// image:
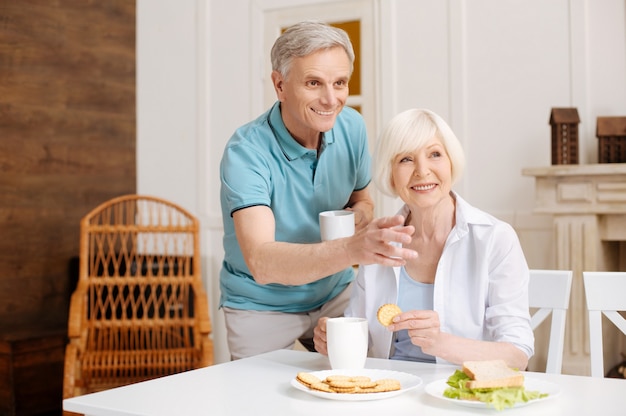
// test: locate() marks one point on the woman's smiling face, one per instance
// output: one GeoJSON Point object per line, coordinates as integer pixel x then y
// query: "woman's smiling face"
{"type": "Point", "coordinates": [423, 177]}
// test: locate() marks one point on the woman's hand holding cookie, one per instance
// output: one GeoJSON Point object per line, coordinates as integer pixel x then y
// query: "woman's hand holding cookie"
{"type": "Point", "coordinates": [423, 328]}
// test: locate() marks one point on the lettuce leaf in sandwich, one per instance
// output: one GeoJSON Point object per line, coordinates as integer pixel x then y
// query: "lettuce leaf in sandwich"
{"type": "Point", "coordinates": [497, 397]}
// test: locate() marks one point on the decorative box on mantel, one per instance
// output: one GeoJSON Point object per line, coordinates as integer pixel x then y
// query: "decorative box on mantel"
{"type": "Point", "coordinates": [564, 122]}
{"type": "Point", "coordinates": [611, 132]}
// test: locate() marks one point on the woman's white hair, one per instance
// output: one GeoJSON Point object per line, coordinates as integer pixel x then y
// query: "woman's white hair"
{"type": "Point", "coordinates": [407, 132]}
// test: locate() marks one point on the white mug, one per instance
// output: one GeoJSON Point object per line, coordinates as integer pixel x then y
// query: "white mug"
{"type": "Point", "coordinates": [347, 342]}
{"type": "Point", "coordinates": [336, 224]}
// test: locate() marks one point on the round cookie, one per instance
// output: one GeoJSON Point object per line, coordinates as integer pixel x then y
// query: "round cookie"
{"type": "Point", "coordinates": [387, 312]}
{"type": "Point", "coordinates": [321, 387]}
{"type": "Point", "coordinates": [307, 379]}
{"type": "Point", "coordinates": [336, 377]}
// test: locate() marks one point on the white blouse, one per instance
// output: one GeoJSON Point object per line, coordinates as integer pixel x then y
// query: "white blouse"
{"type": "Point", "coordinates": [480, 290]}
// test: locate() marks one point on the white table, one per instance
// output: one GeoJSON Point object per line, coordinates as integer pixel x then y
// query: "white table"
{"type": "Point", "coordinates": [261, 386]}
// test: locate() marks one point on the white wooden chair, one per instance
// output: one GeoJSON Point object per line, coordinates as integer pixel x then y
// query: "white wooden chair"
{"type": "Point", "coordinates": [606, 294]}
{"type": "Point", "coordinates": [549, 291]}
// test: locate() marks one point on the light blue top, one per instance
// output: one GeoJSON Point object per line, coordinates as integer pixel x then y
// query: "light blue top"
{"type": "Point", "coordinates": [263, 165]}
{"type": "Point", "coordinates": [412, 295]}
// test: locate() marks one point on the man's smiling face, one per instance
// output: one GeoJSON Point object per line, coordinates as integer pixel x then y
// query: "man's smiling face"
{"type": "Point", "coordinates": [313, 93]}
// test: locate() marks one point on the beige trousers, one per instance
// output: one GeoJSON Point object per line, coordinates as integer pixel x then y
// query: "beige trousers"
{"type": "Point", "coordinates": [255, 332]}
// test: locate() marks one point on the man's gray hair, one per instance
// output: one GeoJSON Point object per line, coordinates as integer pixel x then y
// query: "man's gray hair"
{"type": "Point", "coordinates": [305, 38]}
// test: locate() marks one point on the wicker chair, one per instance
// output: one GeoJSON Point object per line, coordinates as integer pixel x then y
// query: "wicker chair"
{"type": "Point", "coordinates": [139, 310]}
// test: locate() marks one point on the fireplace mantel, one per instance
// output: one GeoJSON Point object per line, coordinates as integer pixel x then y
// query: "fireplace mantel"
{"type": "Point", "coordinates": [588, 204]}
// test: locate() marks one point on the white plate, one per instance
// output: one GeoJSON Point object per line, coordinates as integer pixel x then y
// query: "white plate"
{"type": "Point", "coordinates": [436, 389]}
{"type": "Point", "coordinates": [407, 382]}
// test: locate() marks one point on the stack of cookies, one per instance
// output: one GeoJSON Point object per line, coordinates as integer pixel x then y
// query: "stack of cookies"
{"type": "Point", "coordinates": [347, 384]}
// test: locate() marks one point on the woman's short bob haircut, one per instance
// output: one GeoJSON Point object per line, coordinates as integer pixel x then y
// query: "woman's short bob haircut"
{"type": "Point", "coordinates": [305, 38]}
{"type": "Point", "coordinates": [406, 132]}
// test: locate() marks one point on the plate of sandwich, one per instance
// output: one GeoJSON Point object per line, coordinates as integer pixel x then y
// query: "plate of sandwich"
{"type": "Point", "coordinates": [491, 384]}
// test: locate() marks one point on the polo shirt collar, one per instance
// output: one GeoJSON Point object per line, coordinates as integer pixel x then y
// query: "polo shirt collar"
{"type": "Point", "coordinates": [290, 147]}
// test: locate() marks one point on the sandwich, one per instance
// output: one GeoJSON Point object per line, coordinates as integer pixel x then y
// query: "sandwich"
{"type": "Point", "coordinates": [491, 374]}
{"type": "Point", "coordinates": [492, 382]}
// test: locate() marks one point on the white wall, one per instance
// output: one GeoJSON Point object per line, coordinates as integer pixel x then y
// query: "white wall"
{"type": "Point", "coordinates": [492, 68]}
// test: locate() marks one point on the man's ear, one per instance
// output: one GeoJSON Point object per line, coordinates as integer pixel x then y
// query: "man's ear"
{"type": "Point", "coordinates": [277, 81]}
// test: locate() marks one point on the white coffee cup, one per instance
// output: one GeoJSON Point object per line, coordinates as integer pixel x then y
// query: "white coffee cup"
{"type": "Point", "coordinates": [336, 224]}
{"type": "Point", "coordinates": [347, 342]}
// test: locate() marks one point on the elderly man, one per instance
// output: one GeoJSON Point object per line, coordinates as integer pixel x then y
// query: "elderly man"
{"type": "Point", "coordinates": [307, 154]}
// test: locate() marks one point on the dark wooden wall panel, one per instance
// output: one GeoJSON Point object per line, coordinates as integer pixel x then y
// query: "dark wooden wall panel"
{"type": "Point", "coordinates": [67, 142]}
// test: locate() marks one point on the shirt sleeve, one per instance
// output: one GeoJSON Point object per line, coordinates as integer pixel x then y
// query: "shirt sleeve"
{"type": "Point", "coordinates": [245, 177]}
{"type": "Point", "coordinates": [507, 314]}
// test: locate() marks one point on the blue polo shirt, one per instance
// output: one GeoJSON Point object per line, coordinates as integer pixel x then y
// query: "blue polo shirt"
{"type": "Point", "coordinates": [263, 165]}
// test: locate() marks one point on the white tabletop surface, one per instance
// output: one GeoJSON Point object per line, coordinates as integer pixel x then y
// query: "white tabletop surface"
{"type": "Point", "coordinates": [261, 385]}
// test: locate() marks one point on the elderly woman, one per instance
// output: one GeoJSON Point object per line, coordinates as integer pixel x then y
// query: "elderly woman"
{"type": "Point", "coordinates": [465, 296]}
